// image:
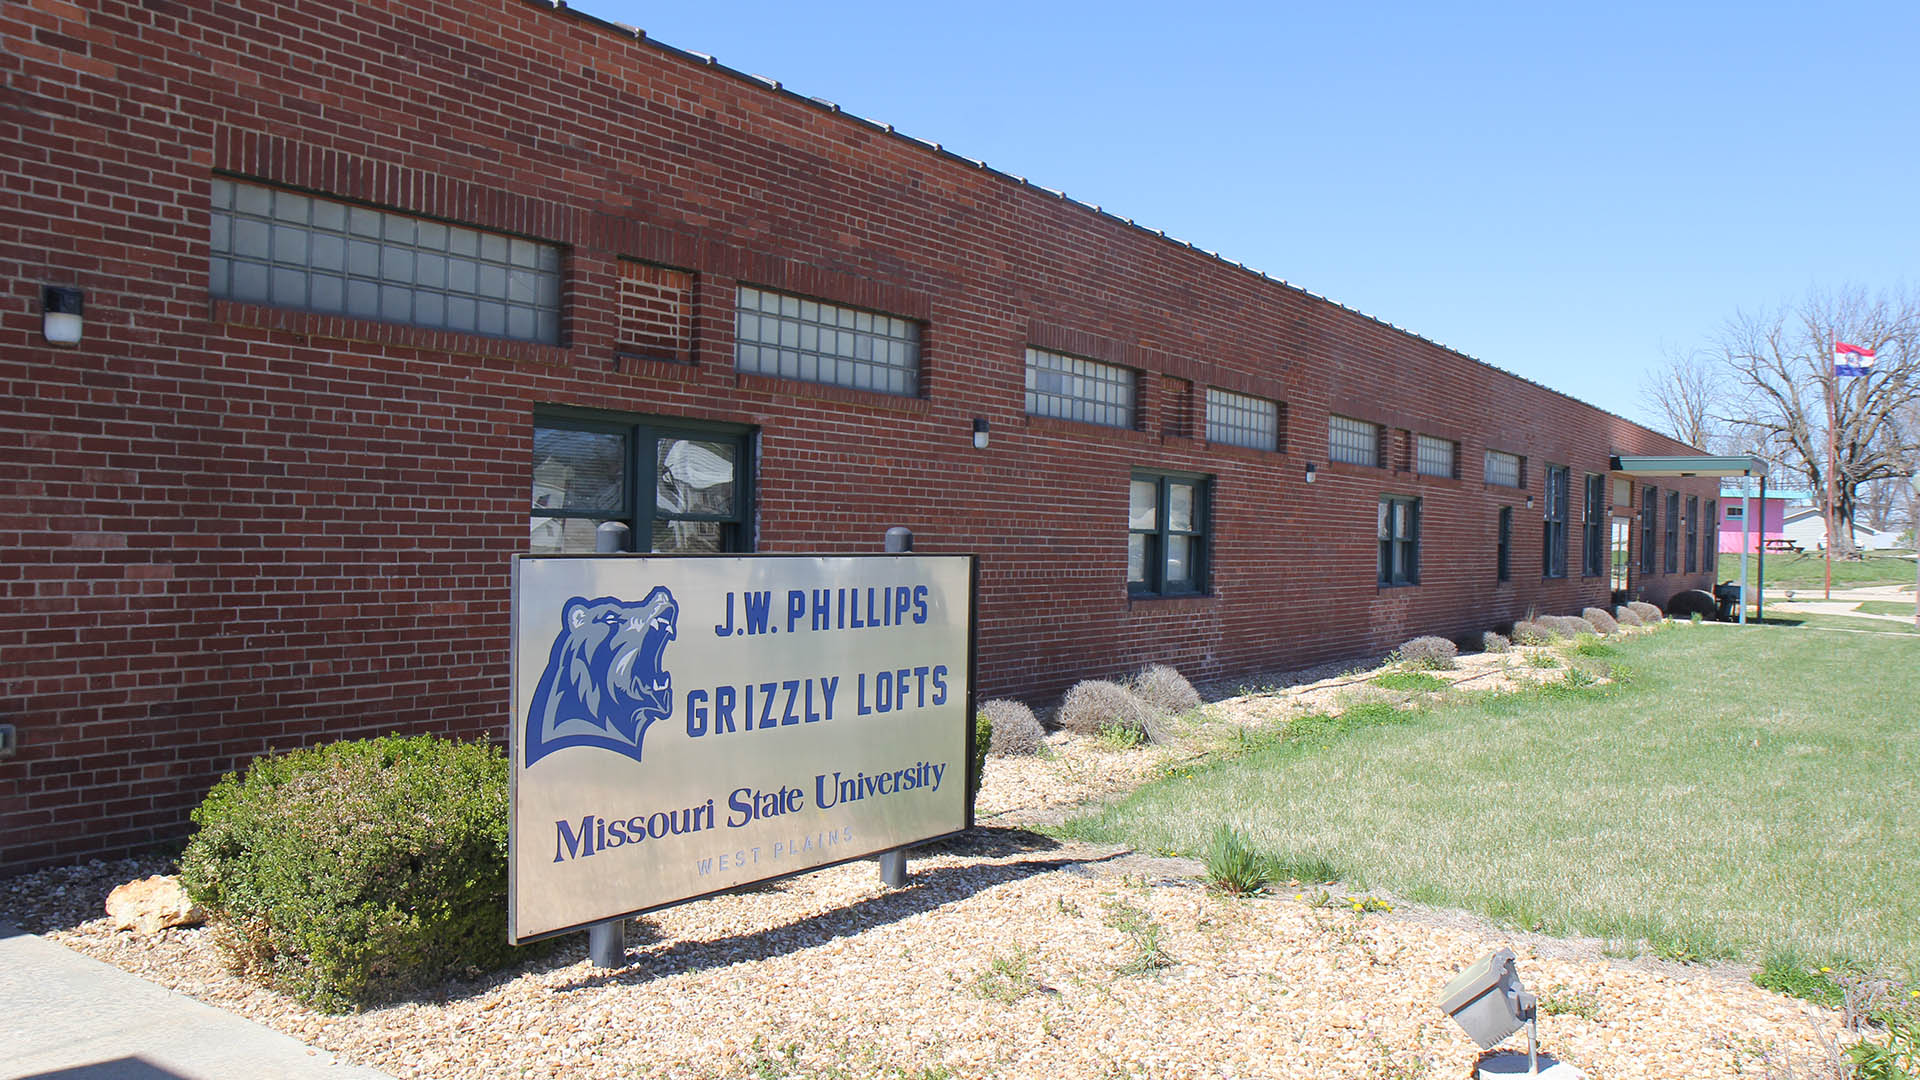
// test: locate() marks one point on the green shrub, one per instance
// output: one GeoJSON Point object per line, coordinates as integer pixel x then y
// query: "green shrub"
{"type": "Point", "coordinates": [1232, 866]}
{"type": "Point", "coordinates": [1433, 653]}
{"type": "Point", "coordinates": [1016, 731]}
{"type": "Point", "coordinates": [349, 873]}
{"type": "Point", "coordinates": [982, 743]}
{"type": "Point", "coordinates": [1166, 689]}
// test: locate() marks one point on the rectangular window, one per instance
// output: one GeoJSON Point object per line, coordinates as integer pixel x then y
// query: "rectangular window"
{"type": "Point", "coordinates": [1735, 512]}
{"type": "Point", "coordinates": [680, 486]}
{"type": "Point", "coordinates": [1504, 469]}
{"type": "Point", "coordinates": [1710, 542]}
{"type": "Point", "coordinates": [1166, 534]}
{"type": "Point", "coordinates": [795, 338]}
{"type": "Point", "coordinates": [1673, 532]}
{"type": "Point", "coordinates": [1399, 529]}
{"type": "Point", "coordinates": [1073, 388]}
{"type": "Point", "coordinates": [1355, 442]}
{"type": "Point", "coordinates": [1693, 534]}
{"type": "Point", "coordinates": [1433, 457]}
{"type": "Point", "coordinates": [1504, 559]}
{"type": "Point", "coordinates": [1553, 544]}
{"type": "Point", "coordinates": [1593, 552]}
{"type": "Point", "coordinates": [292, 250]}
{"type": "Point", "coordinates": [1649, 527]}
{"type": "Point", "coordinates": [1242, 420]}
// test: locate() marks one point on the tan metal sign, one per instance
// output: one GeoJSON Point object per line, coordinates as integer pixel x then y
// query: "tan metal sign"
{"type": "Point", "coordinates": [686, 725]}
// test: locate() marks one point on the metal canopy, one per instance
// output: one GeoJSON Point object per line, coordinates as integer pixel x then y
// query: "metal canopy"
{"type": "Point", "coordinates": [1688, 465]}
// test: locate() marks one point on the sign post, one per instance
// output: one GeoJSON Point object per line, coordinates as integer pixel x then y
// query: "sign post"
{"type": "Point", "coordinates": [688, 725]}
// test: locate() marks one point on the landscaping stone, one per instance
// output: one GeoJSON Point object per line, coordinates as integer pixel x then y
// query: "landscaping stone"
{"type": "Point", "coordinates": [152, 904]}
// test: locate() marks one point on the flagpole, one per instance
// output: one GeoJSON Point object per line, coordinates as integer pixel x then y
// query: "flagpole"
{"type": "Point", "coordinates": [1833, 452]}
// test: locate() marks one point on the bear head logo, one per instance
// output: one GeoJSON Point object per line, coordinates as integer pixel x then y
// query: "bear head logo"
{"type": "Point", "coordinates": [604, 685]}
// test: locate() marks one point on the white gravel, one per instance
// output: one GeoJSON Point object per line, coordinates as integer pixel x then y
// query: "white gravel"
{"type": "Point", "coordinates": [1006, 955]}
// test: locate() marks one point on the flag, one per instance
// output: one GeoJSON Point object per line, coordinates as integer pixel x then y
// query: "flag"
{"type": "Point", "coordinates": [1851, 359]}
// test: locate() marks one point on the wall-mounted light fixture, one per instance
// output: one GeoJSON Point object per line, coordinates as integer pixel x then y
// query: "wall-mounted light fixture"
{"type": "Point", "coordinates": [979, 433]}
{"type": "Point", "coordinates": [60, 321]}
{"type": "Point", "coordinates": [1311, 472]}
{"type": "Point", "coordinates": [1529, 502]}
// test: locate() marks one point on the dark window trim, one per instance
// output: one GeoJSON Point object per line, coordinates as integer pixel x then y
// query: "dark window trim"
{"type": "Point", "coordinates": [1155, 585]}
{"type": "Point", "coordinates": [1593, 562]}
{"type": "Point", "coordinates": [1386, 577]}
{"type": "Point", "coordinates": [1672, 565]}
{"type": "Point", "coordinates": [1503, 556]}
{"type": "Point", "coordinates": [1649, 528]}
{"type": "Point", "coordinates": [1553, 533]}
{"type": "Point", "coordinates": [1710, 539]}
{"type": "Point", "coordinates": [640, 510]}
{"type": "Point", "coordinates": [1693, 534]}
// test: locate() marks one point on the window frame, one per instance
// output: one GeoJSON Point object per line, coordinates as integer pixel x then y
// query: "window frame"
{"type": "Point", "coordinates": [1519, 469]}
{"type": "Point", "coordinates": [1388, 577]}
{"type": "Point", "coordinates": [915, 343]}
{"type": "Point", "coordinates": [1693, 534]}
{"type": "Point", "coordinates": [1198, 553]}
{"type": "Point", "coordinates": [1232, 402]}
{"type": "Point", "coordinates": [1379, 452]}
{"type": "Point", "coordinates": [1649, 529]}
{"type": "Point", "coordinates": [1710, 539]}
{"type": "Point", "coordinates": [1452, 448]}
{"type": "Point", "coordinates": [640, 488]}
{"type": "Point", "coordinates": [1672, 562]}
{"type": "Point", "coordinates": [1593, 555]}
{"type": "Point", "coordinates": [1553, 534]}
{"type": "Point", "coordinates": [1075, 408]}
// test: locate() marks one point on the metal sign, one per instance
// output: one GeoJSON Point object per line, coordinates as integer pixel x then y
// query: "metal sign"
{"type": "Point", "coordinates": [684, 725]}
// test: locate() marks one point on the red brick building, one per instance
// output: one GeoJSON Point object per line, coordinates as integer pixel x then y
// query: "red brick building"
{"type": "Point", "coordinates": [358, 277]}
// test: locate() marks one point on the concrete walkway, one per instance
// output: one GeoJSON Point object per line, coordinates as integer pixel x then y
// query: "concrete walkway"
{"type": "Point", "coordinates": [64, 1016]}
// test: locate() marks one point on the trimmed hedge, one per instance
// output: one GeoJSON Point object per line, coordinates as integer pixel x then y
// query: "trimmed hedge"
{"type": "Point", "coordinates": [1434, 653]}
{"type": "Point", "coordinates": [1015, 730]}
{"type": "Point", "coordinates": [1165, 689]}
{"type": "Point", "coordinates": [1094, 705]}
{"type": "Point", "coordinates": [350, 873]}
{"type": "Point", "coordinates": [1600, 620]}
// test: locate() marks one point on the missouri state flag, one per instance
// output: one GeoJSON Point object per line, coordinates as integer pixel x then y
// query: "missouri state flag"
{"type": "Point", "coordinates": [1851, 359]}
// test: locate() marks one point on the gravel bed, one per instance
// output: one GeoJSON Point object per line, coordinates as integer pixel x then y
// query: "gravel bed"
{"type": "Point", "coordinates": [1008, 954]}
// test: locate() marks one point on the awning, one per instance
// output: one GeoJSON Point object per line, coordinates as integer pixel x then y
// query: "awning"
{"type": "Point", "coordinates": [1689, 465]}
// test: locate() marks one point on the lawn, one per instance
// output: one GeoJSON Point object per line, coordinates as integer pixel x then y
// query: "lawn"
{"type": "Point", "coordinates": [1747, 792]}
{"type": "Point", "coordinates": [1809, 571]}
{"type": "Point", "coordinates": [1843, 622]}
{"type": "Point", "coordinates": [1886, 607]}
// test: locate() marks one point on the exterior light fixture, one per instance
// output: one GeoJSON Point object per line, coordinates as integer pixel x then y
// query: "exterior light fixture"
{"type": "Point", "coordinates": [979, 433]}
{"type": "Point", "coordinates": [60, 321]}
{"type": "Point", "coordinates": [1529, 502]}
{"type": "Point", "coordinates": [1488, 1002]}
{"type": "Point", "coordinates": [1311, 472]}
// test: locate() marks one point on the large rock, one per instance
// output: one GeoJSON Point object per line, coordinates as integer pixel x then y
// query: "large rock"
{"type": "Point", "coordinates": [150, 905]}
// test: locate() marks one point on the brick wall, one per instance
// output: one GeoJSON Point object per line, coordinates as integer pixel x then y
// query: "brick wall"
{"type": "Point", "coordinates": [232, 527]}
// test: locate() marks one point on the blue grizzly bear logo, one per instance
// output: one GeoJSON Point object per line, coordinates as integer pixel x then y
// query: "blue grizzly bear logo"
{"type": "Point", "coordinates": [604, 685]}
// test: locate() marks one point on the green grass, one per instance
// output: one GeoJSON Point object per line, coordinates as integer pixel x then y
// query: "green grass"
{"type": "Point", "coordinates": [1809, 571]}
{"type": "Point", "coordinates": [1745, 793]}
{"type": "Point", "coordinates": [1886, 607]}
{"type": "Point", "coordinates": [1840, 622]}
{"type": "Point", "coordinates": [1410, 681]}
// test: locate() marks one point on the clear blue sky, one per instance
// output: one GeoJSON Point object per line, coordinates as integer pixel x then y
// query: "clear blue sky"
{"type": "Point", "coordinates": [1560, 190]}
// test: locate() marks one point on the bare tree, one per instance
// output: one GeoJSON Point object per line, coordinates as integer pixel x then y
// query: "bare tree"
{"type": "Point", "coordinates": [1780, 365]}
{"type": "Point", "coordinates": [1684, 394]}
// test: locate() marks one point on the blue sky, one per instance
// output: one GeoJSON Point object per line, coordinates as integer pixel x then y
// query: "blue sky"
{"type": "Point", "coordinates": [1561, 190]}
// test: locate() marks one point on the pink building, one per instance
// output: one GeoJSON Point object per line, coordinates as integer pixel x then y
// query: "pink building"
{"type": "Point", "coordinates": [1769, 516]}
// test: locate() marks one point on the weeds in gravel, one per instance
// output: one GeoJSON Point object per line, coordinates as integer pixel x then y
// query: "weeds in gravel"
{"type": "Point", "coordinates": [1542, 660]}
{"type": "Point", "coordinates": [1788, 971]}
{"type": "Point", "coordinates": [1594, 647]}
{"type": "Point", "coordinates": [1410, 681]}
{"type": "Point", "coordinates": [1305, 869]}
{"type": "Point", "coordinates": [1231, 866]}
{"type": "Point", "coordinates": [1143, 934]}
{"type": "Point", "coordinates": [1565, 1001]}
{"type": "Point", "coordinates": [1116, 737]}
{"type": "Point", "coordinates": [1388, 1065]}
{"type": "Point", "coordinates": [1007, 978]}
{"type": "Point", "coordinates": [1579, 677]}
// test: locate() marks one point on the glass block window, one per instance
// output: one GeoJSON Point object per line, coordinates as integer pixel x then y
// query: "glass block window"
{"type": "Point", "coordinates": [680, 487]}
{"type": "Point", "coordinates": [291, 250]}
{"type": "Point", "coordinates": [1355, 442]}
{"type": "Point", "coordinates": [1399, 541]}
{"type": "Point", "coordinates": [1504, 469]}
{"type": "Point", "coordinates": [1242, 420]}
{"type": "Point", "coordinates": [1166, 534]}
{"type": "Point", "coordinates": [1433, 457]}
{"type": "Point", "coordinates": [1073, 388]}
{"type": "Point", "coordinates": [777, 334]}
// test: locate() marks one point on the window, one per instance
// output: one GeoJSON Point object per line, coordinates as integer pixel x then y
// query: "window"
{"type": "Point", "coordinates": [680, 486]}
{"type": "Point", "coordinates": [1504, 560]}
{"type": "Point", "coordinates": [1693, 534]}
{"type": "Point", "coordinates": [1710, 543]}
{"type": "Point", "coordinates": [1504, 469]}
{"type": "Point", "coordinates": [1241, 420]}
{"type": "Point", "coordinates": [777, 334]}
{"type": "Point", "coordinates": [1673, 532]}
{"type": "Point", "coordinates": [1166, 534]}
{"type": "Point", "coordinates": [1734, 513]}
{"type": "Point", "coordinates": [1355, 442]}
{"type": "Point", "coordinates": [1593, 552]}
{"type": "Point", "coordinates": [1649, 527]}
{"type": "Point", "coordinates": [1553, 546]}
{"type": "Point", "coordinates": [272, 246]}
{"type": "Point", "coordinates": [1399, 541]}
{"type": "Point", "coordinates": [1073, 388]}
{"type": "Point", "coordinates": [1433, 457]}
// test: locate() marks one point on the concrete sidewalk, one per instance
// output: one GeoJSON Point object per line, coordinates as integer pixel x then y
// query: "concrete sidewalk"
{"type": "Point", "coordinates": [64, 1016]}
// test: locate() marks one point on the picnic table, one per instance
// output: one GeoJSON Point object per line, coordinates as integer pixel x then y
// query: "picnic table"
{"type": "Point", "coordinates": [1780, 544]}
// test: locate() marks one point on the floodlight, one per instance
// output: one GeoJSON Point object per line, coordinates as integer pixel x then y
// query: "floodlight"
{"type": "Point", "coordinates": [1488, 1001]}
